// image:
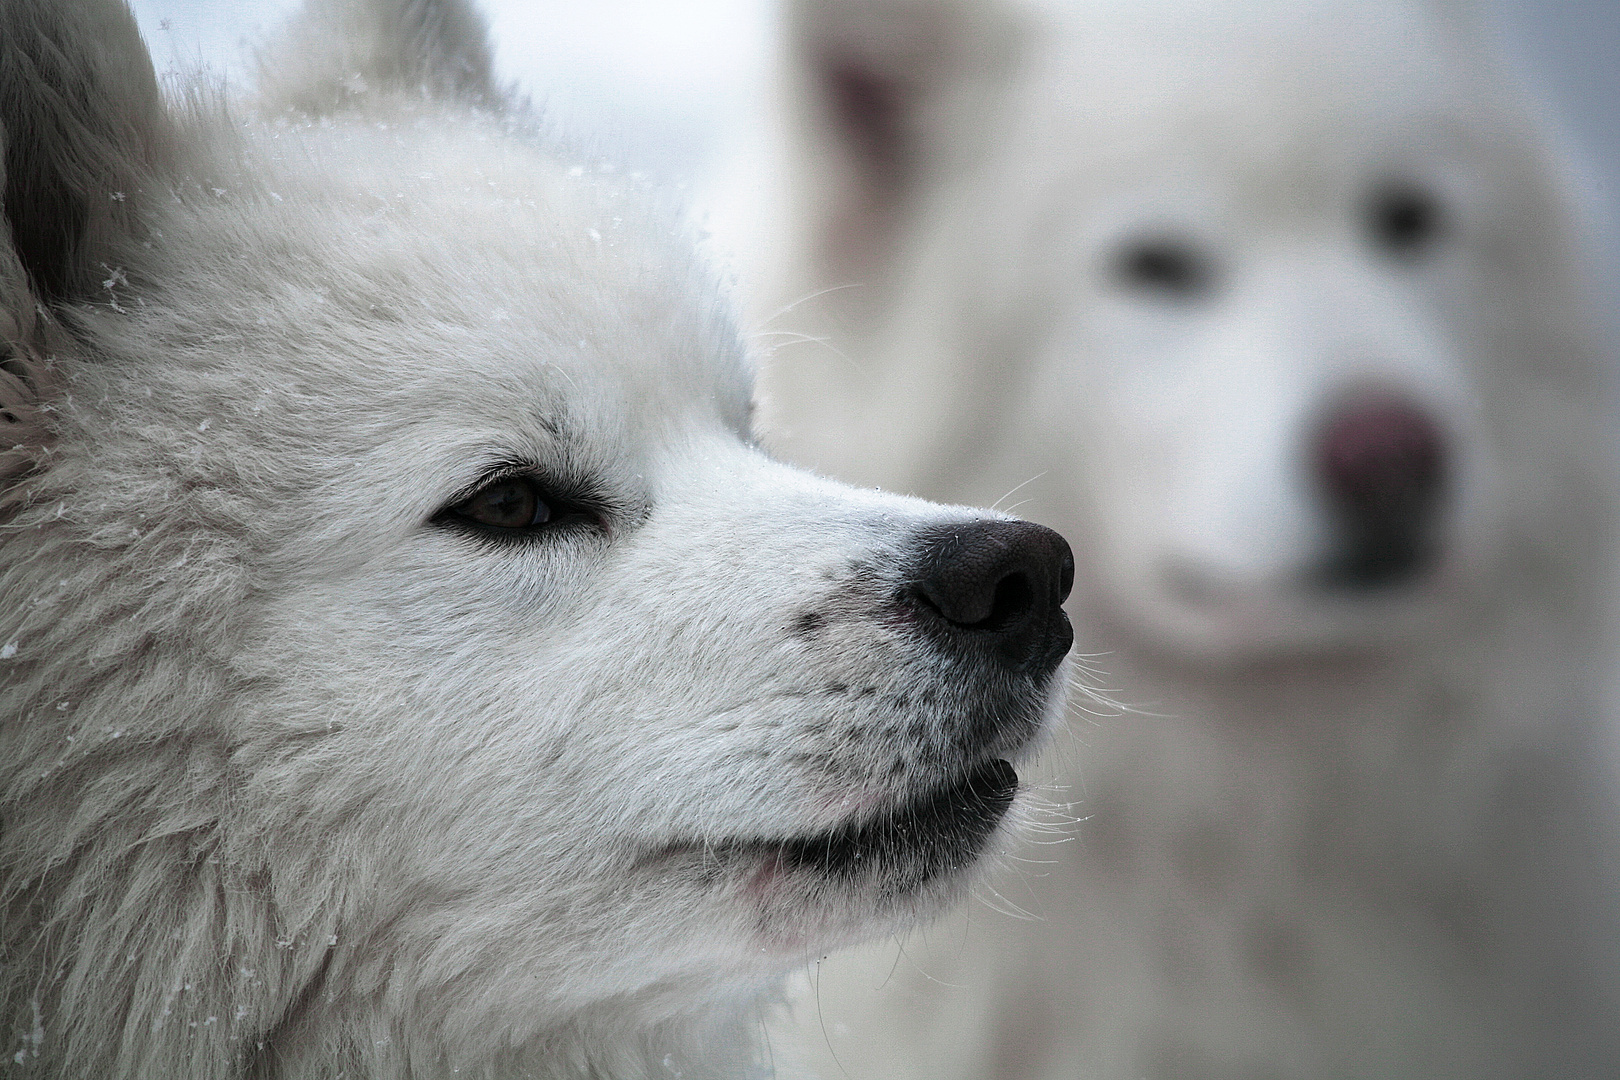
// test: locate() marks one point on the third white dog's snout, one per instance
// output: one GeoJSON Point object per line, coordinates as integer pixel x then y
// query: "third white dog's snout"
{"type": "Point", "coordinates": [1380, 463]}
{"type": "Point", "coordinates": [997, 588]}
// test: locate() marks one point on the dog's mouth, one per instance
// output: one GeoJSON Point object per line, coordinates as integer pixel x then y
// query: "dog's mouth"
{"type": "Point", "coordinates": [941, 831]}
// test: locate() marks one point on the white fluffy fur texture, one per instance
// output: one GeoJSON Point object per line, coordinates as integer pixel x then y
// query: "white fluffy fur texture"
{"type": "Point", "coordinates": [1345, 834]}
{"type": "Point", "coordinates": [300, 778]}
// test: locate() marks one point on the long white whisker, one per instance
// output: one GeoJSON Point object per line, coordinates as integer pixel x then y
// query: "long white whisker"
{"type": "Point", "coordinates": [1016, 487]}
{"type": "Point", "coordinates": [805, 299]}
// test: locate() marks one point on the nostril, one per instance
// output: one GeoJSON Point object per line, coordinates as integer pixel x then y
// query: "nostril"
{"type": "Point", "coordinates": [978, 608]}
{"type": "Point", "coordinates": [1014, 596]}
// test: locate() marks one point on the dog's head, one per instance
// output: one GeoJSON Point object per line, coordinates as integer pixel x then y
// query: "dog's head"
{"type": "Point", "coordinates": [405, 643]}
{"type": "Point", "coordinates": [1323, 318]}
{"type": "Point", "coordinates": [1289, 293]}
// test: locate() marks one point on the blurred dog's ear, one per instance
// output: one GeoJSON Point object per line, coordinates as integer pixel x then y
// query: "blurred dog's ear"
{"type": "Point", "coordinates": [338, 56]}
{"type": "Point", "coordinates": [885, 94]}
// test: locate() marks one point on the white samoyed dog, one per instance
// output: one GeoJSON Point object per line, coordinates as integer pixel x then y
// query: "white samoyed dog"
{"type": "Point", "coordinates": [409, 664]}
{"type": "Point", "coordinates": [1278, 309]}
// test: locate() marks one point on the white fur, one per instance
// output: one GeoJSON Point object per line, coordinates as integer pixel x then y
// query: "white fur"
{"type": "Point", "coordinates": [1345, 834]}
{"type": "Point", "coordinates": [299, 781]}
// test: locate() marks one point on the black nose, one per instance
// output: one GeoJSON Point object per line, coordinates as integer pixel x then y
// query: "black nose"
{"type": "Point", "coordinates": [1381, 464]}
{"type": "Point", "coordinates": [998, 586]}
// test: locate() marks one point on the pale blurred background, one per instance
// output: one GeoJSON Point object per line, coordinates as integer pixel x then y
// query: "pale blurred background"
{"type": "Point", "coordinates": [678, 89]}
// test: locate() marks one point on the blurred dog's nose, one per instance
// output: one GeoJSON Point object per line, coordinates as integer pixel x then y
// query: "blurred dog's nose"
{"type": "Point", "coordinates": [1000, 586]}
{"type": "Point", "coordinates": [1380, 462]}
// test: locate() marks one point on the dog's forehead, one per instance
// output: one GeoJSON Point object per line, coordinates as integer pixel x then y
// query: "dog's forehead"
{"type": "Point", "coordinates": [1167, 41]}
{"type": "Point", "coordinates": [451, 272]}
{"type": "Point", "coordinates": [1257, 82]}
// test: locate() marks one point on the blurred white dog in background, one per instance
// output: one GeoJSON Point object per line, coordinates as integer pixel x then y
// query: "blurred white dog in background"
{"type": "Point", "coordinates": [1279, 309]}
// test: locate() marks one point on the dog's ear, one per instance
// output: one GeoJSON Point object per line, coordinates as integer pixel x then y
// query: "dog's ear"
{"type": "Point", "coordinates": [84, 141]}
{"type": "Point", "coordinates": [884, 95]}
{"type": "Point", "coordinates": [26, 389]}
{"type": "Point", "coordinates": [85, 131]}
{"type": "Point", "coordinates": [24, 379]}
{"type": "Point", "coordinates": [337, 56]}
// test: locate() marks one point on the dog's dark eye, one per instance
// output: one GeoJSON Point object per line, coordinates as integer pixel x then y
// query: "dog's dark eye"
{"type": "Point", "coordinates": [1167, 267]}
{"type": "Point", "coordinates": [1404, 219]}
{"type": "Point", "coordinates": [518, 506]}
{"type": "Point", "coordinates": [512, 503]}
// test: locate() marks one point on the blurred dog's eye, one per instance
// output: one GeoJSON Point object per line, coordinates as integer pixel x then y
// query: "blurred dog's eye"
{"type": "Point", "coordinates": [1404, 219]}
{"type": "Point", "coordinates": [514, 502]}
{"type": "Point", "coordinates": [1164, 266]}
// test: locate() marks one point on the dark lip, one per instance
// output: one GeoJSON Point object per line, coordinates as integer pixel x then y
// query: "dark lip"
{"type": "Point", "coordinates": [944, 829]}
